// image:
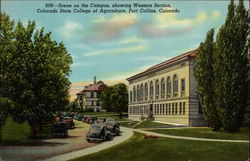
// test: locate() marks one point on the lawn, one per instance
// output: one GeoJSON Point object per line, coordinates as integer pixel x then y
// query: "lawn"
{"type": "Point", "coordinates": [150, 124]}
{"type": "Point", "coordinates": [128, 123]}
{"type": "Point", "coordinates": [205, 133]}
{"type": "Point", "coordinates": [108, 115]}
{"type": "Point", "coordinates": [164, 149]}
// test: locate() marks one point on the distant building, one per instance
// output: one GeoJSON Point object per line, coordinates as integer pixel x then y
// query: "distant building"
{"type": "Point", "coordinates": [89, 97]}
{"type": "Point", "coordinates": [166, 92]}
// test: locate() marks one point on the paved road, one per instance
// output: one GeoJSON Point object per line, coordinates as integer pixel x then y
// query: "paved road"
{"type": "Point", "coordinates": [48, 147]}
{"type": "Point", "coordinates": [126, 134]}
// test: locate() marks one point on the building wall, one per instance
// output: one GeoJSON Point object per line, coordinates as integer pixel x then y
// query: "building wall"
{"type": "Point", "coordinates": [184, 106]}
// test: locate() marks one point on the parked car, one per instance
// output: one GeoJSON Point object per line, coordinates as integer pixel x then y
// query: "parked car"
{"type": "Point", "coordinates": [98, 132]}
{"type": "Point", "coordinates": [79, 116]}
{"type": "Point", "coordinates": [69, 122]}
{"type": "Point", "coordinates": [59, 129]}
{"type": "Point", "coordinates": [101, 119]}
{"type": "Point", "coordinates": [90, 119]}
{"type": "Point", "coordinates": [112, 126]}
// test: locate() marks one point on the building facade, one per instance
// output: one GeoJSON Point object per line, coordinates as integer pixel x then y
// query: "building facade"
{"type": "Point", "coordinates": [89, 97]}
{"type": "Point", "coordinates": [166, 92]}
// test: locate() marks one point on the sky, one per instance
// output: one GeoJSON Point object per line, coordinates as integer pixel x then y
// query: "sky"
{"type": "Point", "coordinates": [117, 46]}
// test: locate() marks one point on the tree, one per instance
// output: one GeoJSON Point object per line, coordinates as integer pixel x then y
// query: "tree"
{"type": "Point", "coordinates": [120, 98]}
{"type": "Point", "coordinates": [34, 72]}
{"type": "Point", "coordinates": [115, 98]}
{"type": "Point", "coordinates": [203, 72]}
{"type": "Point", "coordinates": [230, 67]}
{"type": "Point", "coordinates": [106, 98]}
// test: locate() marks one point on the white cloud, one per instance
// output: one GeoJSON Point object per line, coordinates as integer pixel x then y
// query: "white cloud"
{"type": "Point", "coordinates": [70, 28]}
{"type": "Point", "coordinates": [132, 40]}
{"type": "Point", "coordinates": [215, 14]}
{"type": "Point", "coordinates": [117, 51]}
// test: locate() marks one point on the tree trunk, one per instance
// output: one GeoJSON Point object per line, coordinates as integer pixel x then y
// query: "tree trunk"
{"type": "Point", "coordinates": [120, 115]}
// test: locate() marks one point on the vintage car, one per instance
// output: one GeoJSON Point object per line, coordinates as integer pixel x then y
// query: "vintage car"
{"type": "Point", "coordinates": [101, 119]}
{"type": "Point", "coordinates": [69, 122]}
{"type": "Point", "coordinates": [79, 116]}
{"type": "Point", "coordinates": [59, 129]}
{"type": "Point", "coordinates": [89, 119]}
{"type": "Point", "coordinates": [98, 132]}
{"type": "Point", "coordinates": [112, 126]}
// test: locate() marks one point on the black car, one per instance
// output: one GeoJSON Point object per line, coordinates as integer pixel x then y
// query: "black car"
{"type": "Point", "coordinates": [79, 116]}
{"type": "Point", "coordinates": [112, 126]}
{"type": "Point", "coordinates": [99, 132]}
{"type": "Point", "coordinates": [60, 129]}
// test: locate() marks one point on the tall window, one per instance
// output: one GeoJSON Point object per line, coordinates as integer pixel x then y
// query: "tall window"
{"type": "Point", "coordinates": [92, 94]}
{"type": "Point", "coordinates": [168, 87]}
{"type": "Point", "coordinates": [138, 93]}
{"type": "Point", "coordinates": [151, 89]}
{"type": "Point", "coordinates": [162, 88]}
{"type": "Point", "coordinates": [130, 96]}
{"type": "Point", "coordinates": [175, 86]}
{"type": "Point", "coordinates": [134, 94]}
{"type": "Point", "coordinates": [146, 91]}
{"type": "Point", "coordinates": [157, 89]}
{"type": "Point", "coordinates": [182, 87]}
{"type": "Point", "coordinates": [141, 92]}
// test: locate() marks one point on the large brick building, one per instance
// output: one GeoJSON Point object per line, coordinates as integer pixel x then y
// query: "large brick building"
{"type": "Point", "coordinates": [89, 97]}
{"type": "Point", "coordinates": [166, 92]}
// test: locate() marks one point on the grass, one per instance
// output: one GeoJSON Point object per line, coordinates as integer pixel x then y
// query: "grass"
{"type": "Point", "coordinates": [107, 114]}
{"type": "Point", "coordinates": [164, 149]}
{"type": "Point", "coordinates": [128, 124]}
{"type": "Point", "coordinates": [15, 133]}
{"type": "Point", "coordinates": [150, 124]}
{"type": "Point", "coordinates": [205, 133]}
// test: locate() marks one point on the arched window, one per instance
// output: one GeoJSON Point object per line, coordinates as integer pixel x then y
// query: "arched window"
{"type": "Point", "coordinates": [146, 91]}
{"type": "Point", "coordinates": [138, 93]}
{"type": "Point", "coordinates": [141, 92]}
{"type": "Point", "coordinates": [168, 87]}
{"type": "Point", "coordinates": [162, 88]}
{"type": "Point", "coordinates": [151, 89]}
{"type": "Point", "coordinates": [175, 86]}
{"type": "Point", "coordinates": [134, 94]}
{"type": "Point", "coordinates": [157, 89]}
{"type": "Point", "coordinates": [130, 96]}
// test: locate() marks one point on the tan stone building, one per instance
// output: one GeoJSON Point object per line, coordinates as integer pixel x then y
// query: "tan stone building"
{"type": "Point", "coordinates": [89, 97]}
{"type": "Point", "coordinates": [166, 92]}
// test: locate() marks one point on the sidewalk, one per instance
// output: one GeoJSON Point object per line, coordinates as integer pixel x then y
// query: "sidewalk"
{"type": "Point", "coordinates": [126, 134]}
{"type": "Point", "coordinates": [188, 138]}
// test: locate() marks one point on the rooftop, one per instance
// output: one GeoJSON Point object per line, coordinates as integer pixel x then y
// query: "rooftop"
{"type": "Point", "coordinates": [164, 64]}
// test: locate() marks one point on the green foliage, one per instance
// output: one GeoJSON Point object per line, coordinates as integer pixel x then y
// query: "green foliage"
{"type": "Point", "coordinates": [203, 72]}
{"type": "Point", "coordinates": [230, 68]}
{"type": "Point", "coordinates": [10, 134]}
{"type": "Point", "coordinates": [115, 98]}
{"type": "Point", "coordinates": [34, 72]}
{"type": "Point", "coordinates": [221, 71]}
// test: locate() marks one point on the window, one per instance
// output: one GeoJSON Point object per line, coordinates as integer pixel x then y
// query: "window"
{"type": "Point", "coordinates": [168, 87]}
{"type": "Point", "coordinates": [141, 92]}
{"type": "Point", "coordinates": [151, 89]}
{"type": "Point", "coordinates": [130, 96]}
{"type": "Point", "coordinates": [166, 108]}
{"type": "Point", "coordinates": [146, 91]}
{"type": "Point", "coordinates": [134, 93]}
{"type": "Point", "coordinates": [157, 89]}
{"type": "Point", "coordinates": [180, 108]}
{"type": "Point", "coordinates": [176, 108]}
{"type": "Point", "coordinates": [97, 103]}
{"type": "Point", "coordinates": [92, 94]}
{"type": "Point", "coordinates": [162, 88]}
{"type": "Point", "coordinates": [175, 86]}
{"type": "Point", "coordinates": [92, 103]}
{"type": "Point", "coordinates": [163, 109]}
{"type": "Point", "coordinates": [172, 108]}
{"type": "Point", "coordinates": [183, 107]}
{"type": "Point", "coordinates": [138, 93]}
{"type": "Point", "coordinates": [182, 87]}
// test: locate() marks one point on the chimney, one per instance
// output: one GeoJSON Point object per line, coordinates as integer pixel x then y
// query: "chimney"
{"type": "Point", "coordinates": [94, 79]}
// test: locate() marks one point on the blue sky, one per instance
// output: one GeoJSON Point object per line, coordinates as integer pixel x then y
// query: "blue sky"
{"type": "Point", "coordinates": [117, 46]}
